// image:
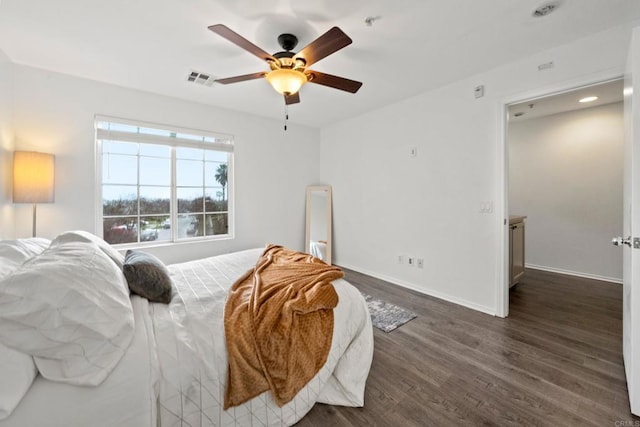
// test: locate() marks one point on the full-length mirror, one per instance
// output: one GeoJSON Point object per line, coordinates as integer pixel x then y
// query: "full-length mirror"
{"type": "Point", "coordinates": [318, 236]}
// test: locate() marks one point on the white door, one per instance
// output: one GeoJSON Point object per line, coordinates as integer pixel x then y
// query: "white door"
{"type": "Point", "coordinates": [631, 256]}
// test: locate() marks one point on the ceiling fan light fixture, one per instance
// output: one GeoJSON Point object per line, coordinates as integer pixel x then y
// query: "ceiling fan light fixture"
{"type": "Point", "coordinates": [286, 81]}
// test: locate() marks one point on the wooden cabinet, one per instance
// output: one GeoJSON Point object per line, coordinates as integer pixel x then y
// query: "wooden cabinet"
{"type": "Point", "coordinates": [516, 249]}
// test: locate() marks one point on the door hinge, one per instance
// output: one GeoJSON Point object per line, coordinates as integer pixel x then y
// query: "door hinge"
{"type": "Point", "coordinates": [636, 242]}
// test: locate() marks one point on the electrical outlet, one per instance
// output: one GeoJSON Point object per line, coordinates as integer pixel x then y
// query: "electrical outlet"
{"type": "Point", "coordinates": [400, 259]}
{"type": "Point", "coordinates": [412, 262]}
{"type": "Point", "coordinates": [420, 262]}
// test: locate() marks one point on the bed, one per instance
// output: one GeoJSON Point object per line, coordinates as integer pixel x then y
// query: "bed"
{"type": "Point", "coordinates": [173, 370]}
{"type": "Point", "coordinates": [318, 249]}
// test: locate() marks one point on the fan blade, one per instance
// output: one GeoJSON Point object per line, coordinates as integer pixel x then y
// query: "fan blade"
{"type": "Point", "coordinates": [328, 43]}
{"type": "Point", "coordinates": [237, 39]}
{"type": "Point", "coordinates": [333, 81]}
{"type": "Point", "coordinates": [292, 99]}
{"type": "Point", "coordinates": [237, 79]}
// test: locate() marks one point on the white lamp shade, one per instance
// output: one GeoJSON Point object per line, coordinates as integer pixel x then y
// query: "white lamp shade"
{"type": "Point", "coordinates": [33, 177]}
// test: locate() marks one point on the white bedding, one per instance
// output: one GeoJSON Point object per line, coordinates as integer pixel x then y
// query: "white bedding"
{"type": "Point", "coordinates": [192, 353]}
{"type": "Point", "coordinates": [175, 370]}
{"type": "Point", "coordinates": [69, 308]}
{"type": "Point", "coordinates": [127, 398]}
{"type": "Point", "coordinates": [318, 249]}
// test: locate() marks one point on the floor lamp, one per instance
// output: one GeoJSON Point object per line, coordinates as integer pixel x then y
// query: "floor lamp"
{"type": "Point", "coordinates": [33, 179]}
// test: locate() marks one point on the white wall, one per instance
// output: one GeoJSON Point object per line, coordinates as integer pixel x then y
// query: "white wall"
{"type": "Point", "coordinates": [565, 174]}
{"type": "Point", "coordinates": [387, 203]}
{"type": "Point", "coordinates": [6, 147]}
{"type": "Point", "coordinates": [55, 113]}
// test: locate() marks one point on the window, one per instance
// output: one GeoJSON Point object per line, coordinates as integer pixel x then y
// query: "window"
{"type": "Point", "coordinates": [162, 184]}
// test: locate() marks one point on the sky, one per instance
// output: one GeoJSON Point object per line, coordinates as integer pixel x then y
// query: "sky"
{"type": "Point", "coordinates": [120, 171]}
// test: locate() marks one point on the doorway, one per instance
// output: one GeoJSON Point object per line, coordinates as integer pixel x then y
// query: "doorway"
{"type": "Point", "coordinates": [563, 172]}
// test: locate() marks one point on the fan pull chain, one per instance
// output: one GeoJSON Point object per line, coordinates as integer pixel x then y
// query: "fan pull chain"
{"type": "Point", "coordinates": [286, 116]}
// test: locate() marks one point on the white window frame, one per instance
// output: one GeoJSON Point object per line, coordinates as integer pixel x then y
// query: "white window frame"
{"type": "Point", "coordinates": [223, 142]}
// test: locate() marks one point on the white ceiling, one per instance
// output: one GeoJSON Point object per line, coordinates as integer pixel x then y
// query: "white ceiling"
{"type": "Point", "coordinates": [607, 93]}
{"type": "Point", "coordinates": [416, 45]}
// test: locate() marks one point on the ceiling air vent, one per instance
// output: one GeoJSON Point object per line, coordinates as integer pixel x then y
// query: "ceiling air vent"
{"type": "Point", "coordinates": [545, 9]}
{"type": "Point", "coordinates": [200, 78]}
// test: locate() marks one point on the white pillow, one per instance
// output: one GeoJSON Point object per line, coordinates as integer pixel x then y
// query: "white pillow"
{"type": "Point", "coordinates": [15, 252]}
{"type": "Point", "coordinates": [70, 309]}
{"type": "Point", "coordinates": [17, 371]}
{"type": "Point", "coordinates": [85, 236]}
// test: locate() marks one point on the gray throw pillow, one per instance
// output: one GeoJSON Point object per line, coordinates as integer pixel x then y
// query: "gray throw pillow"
{"type": "Point", "coordinates": [147, 276]}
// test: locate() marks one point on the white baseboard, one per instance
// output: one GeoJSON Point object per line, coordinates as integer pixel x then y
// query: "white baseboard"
{"type": "Point", "coordinates": [430, 292]}
{"type": "Point", "coordinates": [574, 273]}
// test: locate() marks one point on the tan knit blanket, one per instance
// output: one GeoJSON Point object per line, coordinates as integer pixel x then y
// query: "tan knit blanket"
{"type": "Point", "coordinates": [278, 322]}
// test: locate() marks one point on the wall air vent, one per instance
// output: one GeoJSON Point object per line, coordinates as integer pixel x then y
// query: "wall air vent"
{"type": "Point", "coordinates": [200, 78]}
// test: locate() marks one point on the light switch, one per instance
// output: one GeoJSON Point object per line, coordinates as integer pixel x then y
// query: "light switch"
{"type": "Point", "coordinates": [486, 207]}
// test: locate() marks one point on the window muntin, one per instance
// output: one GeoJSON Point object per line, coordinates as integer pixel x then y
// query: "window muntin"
{"type": "Point", "coordinates": [163, 185]}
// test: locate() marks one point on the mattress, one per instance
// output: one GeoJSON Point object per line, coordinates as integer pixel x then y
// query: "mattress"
{"type": "Point", "coordinates": [56, 404]}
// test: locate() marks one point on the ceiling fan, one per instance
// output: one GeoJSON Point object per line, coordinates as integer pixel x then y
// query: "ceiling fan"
{"type": "Point", "coordinates": [288, 69]}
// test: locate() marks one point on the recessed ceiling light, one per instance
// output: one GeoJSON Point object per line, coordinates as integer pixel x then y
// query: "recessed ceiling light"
{"type": "Point", "coordinates": [628, 91]}
{"type": "Point", "coordinates": [588, 99]}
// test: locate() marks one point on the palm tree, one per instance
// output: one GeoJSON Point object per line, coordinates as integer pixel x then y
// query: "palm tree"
{"type": "Point", "coordinates": [221, 177]}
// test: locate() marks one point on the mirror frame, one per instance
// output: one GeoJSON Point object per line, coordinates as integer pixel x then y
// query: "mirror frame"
{"type": "Point", "coordinates": [327, 189]}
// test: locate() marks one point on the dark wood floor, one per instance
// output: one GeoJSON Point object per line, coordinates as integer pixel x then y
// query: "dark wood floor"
{"type": "Point", "coordinates": [557, 360]}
